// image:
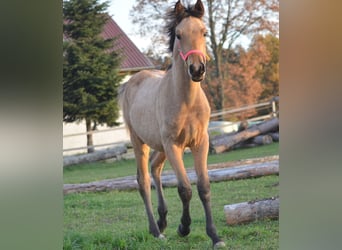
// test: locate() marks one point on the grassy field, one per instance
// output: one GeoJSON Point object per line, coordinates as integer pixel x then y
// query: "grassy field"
{"type": "Point", "coordinates": [117, 220]}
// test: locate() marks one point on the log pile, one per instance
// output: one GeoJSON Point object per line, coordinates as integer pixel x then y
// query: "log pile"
{"type": "Point", "coordinates": [220, 173]}
{"type": "Point", "coordinates": [261, 134]}
{"type": "Point", "coordinates": [96, 156]}
{"type": "Point", "coordinates": [245, 212]}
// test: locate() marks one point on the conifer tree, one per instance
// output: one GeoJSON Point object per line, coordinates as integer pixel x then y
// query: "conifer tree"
{"type": "Point", "coordinates": [90, 67]}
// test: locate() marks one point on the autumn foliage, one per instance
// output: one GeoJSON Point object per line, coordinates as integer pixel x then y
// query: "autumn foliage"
{"type": "Point", "coordinates": [248, 76]}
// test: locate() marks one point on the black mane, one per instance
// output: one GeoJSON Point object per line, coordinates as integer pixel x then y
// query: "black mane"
{"type": "Point", "coordinates": [177, 14]}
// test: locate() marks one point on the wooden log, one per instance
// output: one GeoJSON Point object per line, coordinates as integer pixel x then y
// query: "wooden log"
{"type": "Point", "coordinates": [254, 142]}
{"type": "Point", "coordinates": [275, 136]}
{"type": "Point", "coordinates": [252, 211]}
{"type": "Point", "coordinates": [96, 156]}
{"type": "Point", "coordinates": [169, 179]}
{"type": "Point", "coordinates": [262, 140]}
{"type": "Point", "coordinates": [223, 143]}
{"type": "Point", "coordinates": [243, 125]}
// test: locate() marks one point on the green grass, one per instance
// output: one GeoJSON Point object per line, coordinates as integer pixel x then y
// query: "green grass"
{"type": "Point", "coordinates": [117, 220]}
{"type": "Point", "coordinates": [102, 170]}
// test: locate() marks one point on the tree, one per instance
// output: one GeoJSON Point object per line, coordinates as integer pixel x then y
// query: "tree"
{"type": "Point", "coordinates": [161, 61]}
{"type": "Point", "coordinates": [268, 70]}
{"type": "Point", "coordinates": [90, 67]}
{"type": "Point", "coordinates": [253, 73]}
{"type": "Point", "coordinates": [243, 87]}
{"type": "Point", "coordinates": [227, 21]}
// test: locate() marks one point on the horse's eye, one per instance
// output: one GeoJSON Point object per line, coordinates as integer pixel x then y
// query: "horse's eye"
{"type": "Point", "coordinates": [205, 34]}
{"type": "Point", "coordinates": [178, 36]}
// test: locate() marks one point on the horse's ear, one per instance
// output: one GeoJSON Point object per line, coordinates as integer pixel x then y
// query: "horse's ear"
{"type": "Point", "coordinates": [199, 8]}
{"type": "Point", "coordinates": [179, 8]}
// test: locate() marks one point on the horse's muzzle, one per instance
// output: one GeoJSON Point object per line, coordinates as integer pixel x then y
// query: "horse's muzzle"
{"type": "Point", "coordinates": [197, 72]}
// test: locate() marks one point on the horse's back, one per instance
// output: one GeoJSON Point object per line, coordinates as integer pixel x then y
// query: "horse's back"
{"type": "Point", "coordinates": [143, 81]}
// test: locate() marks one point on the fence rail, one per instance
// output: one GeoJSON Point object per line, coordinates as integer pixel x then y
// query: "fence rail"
{"type": "Point", "coordinates": [95, 131]}
{"type": "Point", "coordinates": [95, 146]}
{"type": "Point", "coordinates": [267, 105]}
{"type": "Point", "coordinates": [237, 110]}
{"type": "Point", "coordinates": [258, 118]}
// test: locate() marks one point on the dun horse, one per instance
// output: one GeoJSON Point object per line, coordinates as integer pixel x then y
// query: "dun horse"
{"type": "Point", "coordinates": [168, 111]}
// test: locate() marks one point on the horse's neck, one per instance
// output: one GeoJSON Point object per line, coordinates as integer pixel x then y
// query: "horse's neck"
{"type": "Point", "coordinates": [185, 90]}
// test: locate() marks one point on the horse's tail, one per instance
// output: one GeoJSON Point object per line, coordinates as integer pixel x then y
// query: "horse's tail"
{"type": "Point", "coordinates": [123, 103]}
{"type": "Point", "coordinates": [121, 94]}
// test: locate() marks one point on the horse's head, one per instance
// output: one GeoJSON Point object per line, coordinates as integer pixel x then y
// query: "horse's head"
{"type": "Point", "coordinates": [187, 38]}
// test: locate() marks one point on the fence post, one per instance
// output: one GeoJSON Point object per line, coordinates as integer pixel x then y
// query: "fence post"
{"type": "Point", "coordinates": [274, 109]}
{"type": "Point", "coordinates": [274, 106]}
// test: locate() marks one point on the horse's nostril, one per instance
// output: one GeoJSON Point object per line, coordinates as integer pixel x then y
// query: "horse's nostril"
{"type": "Point", "coordinates": [191, 69]}
{"type": "Point", "coordinates": [202, 68]}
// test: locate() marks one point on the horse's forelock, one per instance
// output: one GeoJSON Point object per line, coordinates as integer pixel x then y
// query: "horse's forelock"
{"type": "Point", "coordinates": [177, 14]}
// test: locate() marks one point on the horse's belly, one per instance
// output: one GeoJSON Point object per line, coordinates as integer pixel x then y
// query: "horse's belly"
{"type": "Point", "coordinates": [151, 139]}
{"type": "Point", "coordinates": [145, 125]}
{"type": "Point", "coordinates": [149, 134]}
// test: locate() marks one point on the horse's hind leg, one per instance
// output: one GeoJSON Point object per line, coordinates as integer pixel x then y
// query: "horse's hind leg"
{"type": "Point", "coordinates": [141, 152]}
{"type": "Point", "coordinates": [157, 161]}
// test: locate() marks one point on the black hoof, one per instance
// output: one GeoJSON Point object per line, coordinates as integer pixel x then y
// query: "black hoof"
{"type": "Point", "coordinates": [162, 225]}
{"type": "Point", "coordinates": [182, 231]}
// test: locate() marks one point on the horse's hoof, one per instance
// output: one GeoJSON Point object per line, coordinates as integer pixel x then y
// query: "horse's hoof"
{"type": "Point", "coordinates": [219, 245]}
{"type": "Point", "coordinates": [182, 232]}
{"type": "Point", "coordinates": [162, 237]}
{"type": "Point", "coordinates": [162, 225]}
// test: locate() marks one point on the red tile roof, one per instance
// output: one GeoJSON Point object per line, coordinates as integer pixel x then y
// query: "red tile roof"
{"type": "Point", "coordinates": [132, 58]}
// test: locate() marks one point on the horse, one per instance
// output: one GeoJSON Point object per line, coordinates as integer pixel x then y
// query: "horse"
{"type": "Point", "coordinates": [168, 111]}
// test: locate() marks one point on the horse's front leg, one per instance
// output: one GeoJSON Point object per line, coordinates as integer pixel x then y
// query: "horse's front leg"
{"type": "Point", "coordinates": [174, 155]}
{"type": "Point", "coordinates": [200, 153]}
{"type": "Point", "coordinates": [157, 160]}
{"type": "Point", "coordinates": [141, 152]}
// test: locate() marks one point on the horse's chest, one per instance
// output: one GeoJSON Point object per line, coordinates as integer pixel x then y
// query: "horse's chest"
{"type": "Point", "coordinates": [189, 132]}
